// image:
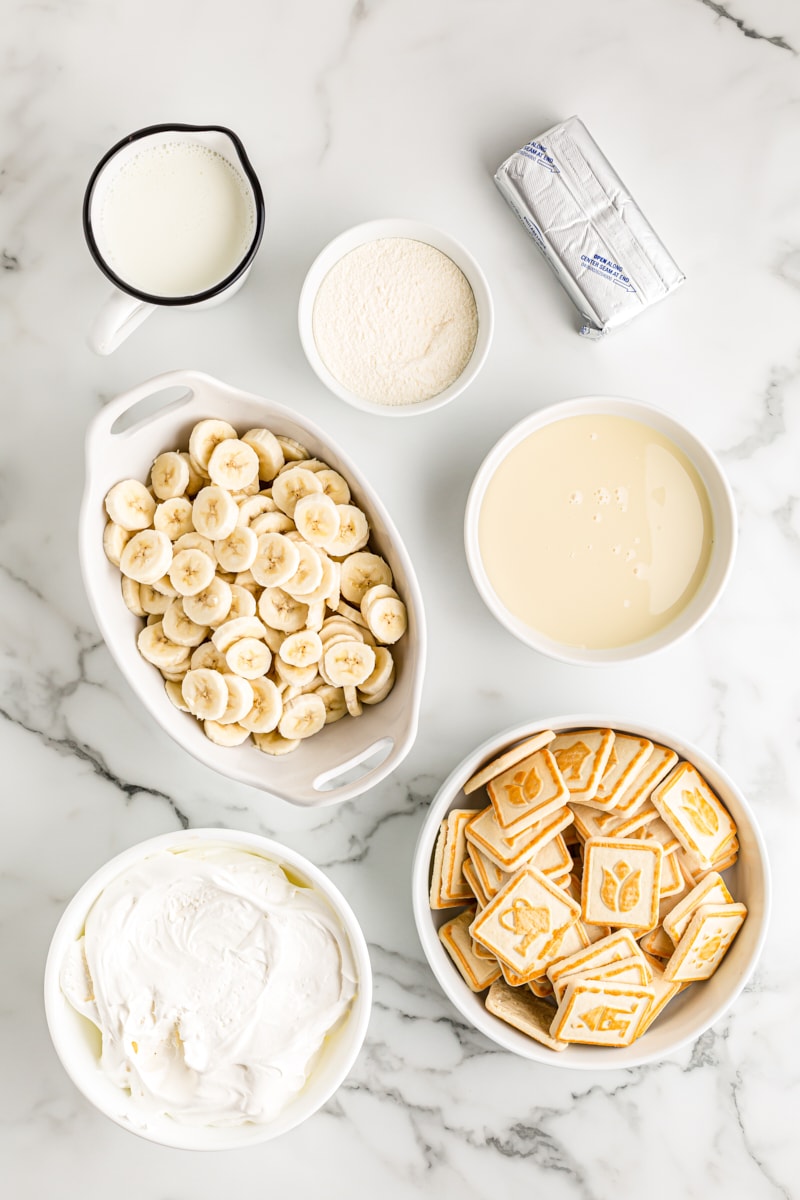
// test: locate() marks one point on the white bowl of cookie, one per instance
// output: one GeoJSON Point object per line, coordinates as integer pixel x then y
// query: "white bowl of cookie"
{"type": "Point", "coordinates": [590, 892]}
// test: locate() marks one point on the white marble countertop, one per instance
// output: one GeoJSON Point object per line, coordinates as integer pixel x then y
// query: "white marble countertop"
{"type": "Point", "coordinates": [403, 108]}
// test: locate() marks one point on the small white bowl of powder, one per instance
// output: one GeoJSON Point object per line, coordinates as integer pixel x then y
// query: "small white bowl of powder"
{"type": "Point", "coordinates": [395, 317]}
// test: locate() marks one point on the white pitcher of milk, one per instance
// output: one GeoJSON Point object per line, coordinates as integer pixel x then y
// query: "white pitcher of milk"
{"type": "Point", "coordinates": [173, 215]}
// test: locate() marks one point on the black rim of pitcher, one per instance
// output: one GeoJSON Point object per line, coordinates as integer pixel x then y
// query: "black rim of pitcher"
{"type": "Point", "coordinates": [195, 297]}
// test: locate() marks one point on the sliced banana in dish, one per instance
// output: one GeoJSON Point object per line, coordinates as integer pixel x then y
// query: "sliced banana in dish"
{"type": "Point", "coordinates": [267, 614]}
{"type": "Point", "coordinates": [147, 556]}
{"type": "Point", "coordinates": [170, 475]}
{"type": "Point", "coordinates": [205, 437]}
{"type": "Point", "coordinates": [206, 693]}
{"type": "Point", "coordinates": [233, 465]}
{"type": "Point", "coordinates": [130, 505]}
{"type": "Point", "coordinates": [302, 717]}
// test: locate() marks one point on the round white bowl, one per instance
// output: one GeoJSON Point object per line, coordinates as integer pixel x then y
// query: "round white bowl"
{"type": "Point", "coordinates": [723, 511]}
{"type": "Point", "coordinates": [77, 1042]}
{"type": "Point", "coordinates": [417, 231]}
{"type": "Point", "coordinates": [689, 1014]}
{"type": "Point", "coordinates": [344, 759]}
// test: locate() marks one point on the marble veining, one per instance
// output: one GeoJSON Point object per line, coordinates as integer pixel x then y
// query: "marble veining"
{"type": "Point", "coordinates": [352, 110]}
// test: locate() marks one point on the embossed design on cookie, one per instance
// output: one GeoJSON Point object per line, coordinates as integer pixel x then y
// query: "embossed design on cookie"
{"type": "Point", "coordinates": [526, 919]}
{"type": "Point", "coordinates": [605, 1019]}
{"type": "Point", "coordinates": [700, 812]}
{"type": "Point", "coordinates": [713, 947]}
{"type": "Point", "coordinates": [621, 887]}
{"type": "Point", "coordinates": [570, 759]}
{"type": "Point", "coordinates": [524, 788]}
{"type": "Point", "coordinates": [613, 759]}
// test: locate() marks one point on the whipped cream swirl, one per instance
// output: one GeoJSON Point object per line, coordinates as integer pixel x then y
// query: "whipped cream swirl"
{"type": "Point", "coordinates": [213, 980]}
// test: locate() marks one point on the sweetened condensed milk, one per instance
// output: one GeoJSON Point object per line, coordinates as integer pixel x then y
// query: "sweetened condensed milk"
{"type": "Point", "coordinates": [595, 531]}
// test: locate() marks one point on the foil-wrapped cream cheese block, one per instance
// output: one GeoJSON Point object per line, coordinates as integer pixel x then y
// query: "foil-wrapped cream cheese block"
{"type": "Point", "coordinates": [591, 231]}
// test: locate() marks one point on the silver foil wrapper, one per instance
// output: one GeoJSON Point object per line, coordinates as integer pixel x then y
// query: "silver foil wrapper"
{"type": "Point", "coordinates": [591, 231]}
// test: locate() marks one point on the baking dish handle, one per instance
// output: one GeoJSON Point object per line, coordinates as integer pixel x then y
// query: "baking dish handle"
{"type": "Point", "coordinates": [120, 417]}
{"type": "Point", "coordinates": [358, 768]}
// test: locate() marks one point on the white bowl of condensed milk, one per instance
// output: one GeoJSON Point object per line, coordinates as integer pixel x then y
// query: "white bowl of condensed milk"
{"type": "Point", "coordinates": [599, 530]}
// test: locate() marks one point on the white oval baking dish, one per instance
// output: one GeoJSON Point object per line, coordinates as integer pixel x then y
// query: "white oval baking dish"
{"type": "Point", "coordinates": [344, 759]}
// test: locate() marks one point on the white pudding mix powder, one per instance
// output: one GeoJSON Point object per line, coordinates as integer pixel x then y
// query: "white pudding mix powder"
{"type": "Point", "coordinates": [395, 321]}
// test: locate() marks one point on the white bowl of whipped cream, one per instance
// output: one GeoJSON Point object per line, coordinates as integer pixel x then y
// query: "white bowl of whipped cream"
{"type": "Point", "coordinates": [395, 317]}
{"type": "Point", "coordinates": [208, 989]}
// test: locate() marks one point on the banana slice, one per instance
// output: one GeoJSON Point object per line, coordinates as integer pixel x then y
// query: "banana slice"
{"type": "Point", "coordinates": [243, 602]}
{"type": "Point", "coordinates": [348, 663]}
{"type": "Point", "coordinates": [255, 506]}
{"type": "Point", "coordinates": [276, 560]}
{"type": "Point", "coordinates": [274, 639]}
{"type": "Point", "coordinates": [178, 674]}
{"type": "Point", "coordinates": [175, 693]}
{"type": "Point", "coordinates": [156, 647]}
{"type": "Point", "coordinates": [180, 629]}
{"type": "Point", "coordinates": [197, 477]}
{"type": "Point", "coordinates": [249, 657]}
{"type": "Point", "coordinates": [292, 451]}
{"type": "Point", "coordinates": [273, 743]}
{"type": "Point", "coordinates": [328, 583]}
{"type": "Point", "coordinates": [381, 673]}
{"type": "Point", "coordinates": [316, 615]}
{"type": "Point", "coordinates": [235, 629]}
{"type": "Point", "coordinates": [362, 571]}
{"type": "Point", "coordinates": [212, 606]}
{"type": "Point", "coordinates": [204, 439]}
{"type": "Point", "coordinates": [308, 576]}
{"type": "Point", "coordinates": [308, 464]}
{"type": "Point", "coordinates": [115, 539]}
{"type": "Point", "coordinates": [174, 517]}
{"type": "Point", "coordinates": [272, 522]}
{"type": "Point", "coordinates": [352, 701]}
{"type": "Point", "coordinates": [247, 492]}
{"type": "Point", "coordinates": [169, 475]}
{"type": "Point", "coordinates": [151, 600]}
{"type": "Point", "coordinates": [209, 656]}
{"type": "Point", "coordinates": [377, 697]}
{"type": "Point", "coordinates": [302, 717]}
{"type": "Point", "coordinates": [353, 531]}
{"type": "Point", "coordinates": [387, 619]}
{"type": "Point", "coordinates": [317, 518]}
{"type": "Point", "coordinates": [378, 592]}
{"type": "Point", "coordinates": [352, 614]}
{"type": "Point", "coordinates": [340, 625]}
{"type": "Point", "coordinates": [191, 572]}
{"type": "Point", "coordinates": [268, 450]}
{"type": "Point", "coordinates": [266, 710]}
{"type": "Point", "coordinates": [298, 677]}
{"type": "Point", "coordinates": [301, 649]}
{"type": "Point", "coordinates": [194, 541]}
{"type": "Point", "coordinates": [238, 550]}
{"type": "Point", "coordinates": [240, 698]}
{"type": "Point", "coordinates": [206, 693]}
{"type": "Point", "coordinates": [334, 701]}
{"type": "Point", "coordinates": [225, 735]}
{"type": "Point", "coordinates": [281, 611]}
{"type": "Point", "coordinates": [244, 579]}
{"type": "Point", "coordinates": [146, 556]}
{"type": "Point", "coordinates": [291, 486]}
{"type": "Point", "coordinates": [132, 595]}
{"type": "Point", "coordinates": [214, 512]}
{"type": "Point", "coordinates": [233, 465]}
{"type": "Point", "coordinates": [334, 485]}
{"type": "Point", "coordinates": [130, 505]}
{"type": "Point", "coordinates": [164, 585]}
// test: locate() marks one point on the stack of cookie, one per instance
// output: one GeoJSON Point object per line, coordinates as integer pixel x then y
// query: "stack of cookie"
{"type": "Point", "coordinates": [590, 885]}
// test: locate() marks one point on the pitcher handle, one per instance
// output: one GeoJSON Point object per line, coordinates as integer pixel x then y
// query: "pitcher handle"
{"type": "Point", "coordinates": [117, 319]}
